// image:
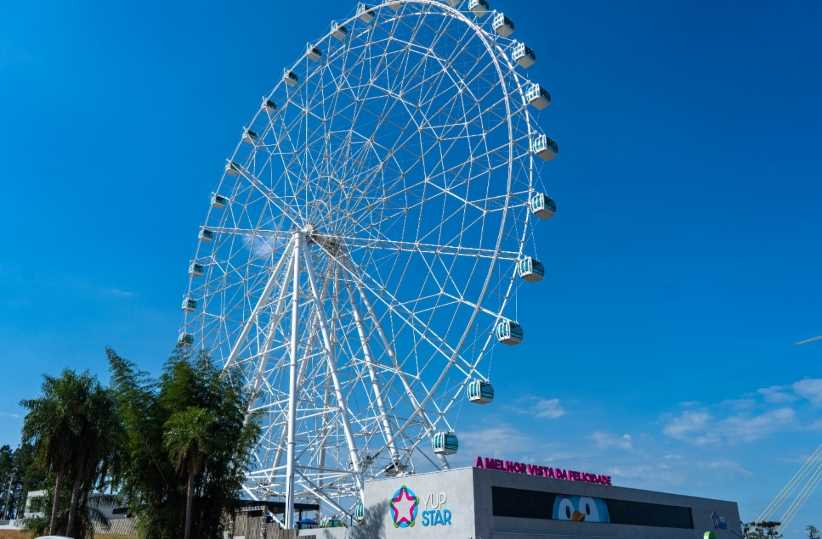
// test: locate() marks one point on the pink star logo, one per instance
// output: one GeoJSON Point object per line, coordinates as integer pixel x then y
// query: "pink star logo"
{"type": "Point", "coordinates": [404, 507]}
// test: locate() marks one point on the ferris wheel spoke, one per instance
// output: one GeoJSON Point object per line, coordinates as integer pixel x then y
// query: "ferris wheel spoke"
{"type": "Point", "coordinates": [332, 369]}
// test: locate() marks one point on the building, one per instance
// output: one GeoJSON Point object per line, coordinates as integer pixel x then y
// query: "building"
{"type": "Point", "coordinates": [509, 500]}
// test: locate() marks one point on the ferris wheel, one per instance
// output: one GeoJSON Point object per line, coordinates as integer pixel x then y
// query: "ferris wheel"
{"type": "Point", "coordinates": [363, 249]}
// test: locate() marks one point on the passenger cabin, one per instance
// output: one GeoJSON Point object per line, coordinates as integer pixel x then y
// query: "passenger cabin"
{"type": "Point", "coordinates": [542, 205]}
{"type": "Point", "coordinates": [445, 443]}
{"type": "Point", "coordinates": [544, 148]}
{"type": "Point", "coordinates": [268, 105]}
{"type": "Point", "coordinates": [537, 96]}
{"type": "Point", "coordinates": [290, 78]}
{"type": "Point", "coordinates": [218, 201]}
{"type": "Point", "coordinates": [365, 13]}
{"type": "Point", "coordinates": [502, 25]}
{"type": "Point", "coordinates": [195, 269]}
{"type": "Point", "coordinates": [523, 55]}
{"type": "Point", "coordinates": [206, 234]}
{"type": "Point", "coordinates": [454, 3]}
{"type": "Point", "coordinates": [232, 168]}
{"type": "Point", "coordinates": [480, 392]}
{"type": "Point", "coordinates": [185, 339]}
{"type": "Point", "coordinates": [339, 31]}
{"type": "Point", "coordinates": [359, 512]}
{"type": "Point", "coordinates": [313, 53]}
{"type": "Point", "coordinates": [395, 5]}
{"type": "Point", "coordinates": [189, 304]}
{"type": "Point", "coordinates": [531, 269]}
{"type": "Point", "coordinates": [250, 137]}
{"type": "Point", "coordinates": [509, 332]}
{"type": "Point", "coordinates": [478, 7]}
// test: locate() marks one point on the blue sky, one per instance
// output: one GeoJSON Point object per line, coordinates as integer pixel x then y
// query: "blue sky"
{"type": "Point", "coordinates": [683, 264]}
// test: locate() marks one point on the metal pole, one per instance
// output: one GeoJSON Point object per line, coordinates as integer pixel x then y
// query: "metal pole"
{"type": "Point", "coordinates": [252, 319]}
{"type": "Point", "coordinates": [372, 375]}
{"type": "Point", "coordinates": [332, 370]}
{"type": "Point", "coordinates": [292, 388]}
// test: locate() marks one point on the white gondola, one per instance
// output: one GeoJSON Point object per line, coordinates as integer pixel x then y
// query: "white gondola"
{"type": "Point", "coordinates": [509, 332]}
{"type": "Point", "coordinates": [530, 269]}
{"type": "Point", "coordinates": [290, 78]}
{"type": "Point", "coordinates": [185, 339]}
{"type": "Point", "coordinates": [480, 392]}
{"type": "Point", "coordinates": [542, 205]}
{"type": "Point", "coordinates": [313, 53]}
{"type": "Point", "coordinates": [206, 234]}
{"type": "Point", "coordinates": [445, 443]}
{"type": "Point", "coordinates": [365, 13]}
{"type": "Point", "coordinates": [395, 5]}
{"type": "Point", "coordinates": [339, 31]}
{"type": "Point", "coordinates": [250, 137]}
{"type": "Point", "coordinates": [189, 304]}
{"type": "Point", "coordinates": [454, 3]}
{"type": "Point", "coordinates": [502, 25]}
{"type": "Point", "coordinates": [195, 269]}
{"type": "Point", "coordinates": [218, 201]}
{"type": "Point", "coordinates": [523, 55]}
{"type": "Point", "coordinates": [537, 96]}
{"type": "Point", "coordinates": [359, 512]}
{"type": "Point", "coordinates": [478, 7]}
{"type": "Point", "coordinates": [268, 105]}
{"type": "Point", "coordinates": [232, 168]}
{"type": "Point", "coordinates": [544, 147]}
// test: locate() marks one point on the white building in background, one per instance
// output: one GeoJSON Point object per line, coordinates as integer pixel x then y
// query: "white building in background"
{"type": "Point", "coordinates": [36, 504]}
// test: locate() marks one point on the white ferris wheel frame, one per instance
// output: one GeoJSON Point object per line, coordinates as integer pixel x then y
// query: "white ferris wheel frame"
{"type": "Point", "coordinates": [312, 296]}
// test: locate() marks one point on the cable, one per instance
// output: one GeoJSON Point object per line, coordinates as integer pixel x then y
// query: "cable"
{"type": "Point", "coordinates": [779, 499]}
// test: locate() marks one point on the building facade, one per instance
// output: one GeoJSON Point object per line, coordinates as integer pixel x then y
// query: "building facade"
{"type": "Point", "coordinates": [481, 503]}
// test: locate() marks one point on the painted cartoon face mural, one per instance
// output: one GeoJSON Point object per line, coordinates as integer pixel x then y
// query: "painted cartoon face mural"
{"type": "Point", "coordinates": [580, 509]}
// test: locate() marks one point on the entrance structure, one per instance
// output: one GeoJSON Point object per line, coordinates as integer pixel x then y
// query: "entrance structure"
{"type": "Point", "coordinates": [492, 504]}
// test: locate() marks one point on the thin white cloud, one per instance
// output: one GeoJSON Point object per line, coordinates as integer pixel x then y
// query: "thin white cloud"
{"type": "Point", "coordinates": [693, 426]}
{"type": "Point", "coordinates": [12, 415]}
{"type": "Point", "coordinates": [495, 441]}
{"type": "Point", "coordinates": [701, 428]}
{"type": "Point", "coordinates": [539, 407]}
{"type": "Point", "coordinates": [752, 428]}
{"type": "Point", "coordinates": [725, 465]}
{"type": "Point", "coordinates": [547, 408]}
{"type": "Point", "coordinates": [810, 389]}
{"type": "Point", "coordinates": [119, 293]}
{"type": "Point", "coordinates": [263, 246]}
{"type": "Point", "coordinates": [606, 440]}
{"type": "Point", "coordinates": [777, 394]}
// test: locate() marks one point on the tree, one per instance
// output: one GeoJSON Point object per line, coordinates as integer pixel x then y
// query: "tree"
{"type": "Point", "coordinates": [813, 532]}
{"type": "Point", "coordinates": [75, 430]}
{"type": "Point", "coordinates": [187, 438]}
{"type": "Point", "coordinates": [186, 444]}
{"type": "Point", "coordinates": [51, 425]}
{"type": "Point", "coordinates": [6, 480]}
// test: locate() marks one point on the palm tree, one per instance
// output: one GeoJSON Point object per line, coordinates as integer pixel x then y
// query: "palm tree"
{"type": "Point", "coordinates": [188, 439]}
{"type": "Point", "coordinates": [75, 429]}
{"type": "Point", "coordinates": [52, 426]}
{"type": "Point", "coordinates": [94, 459]}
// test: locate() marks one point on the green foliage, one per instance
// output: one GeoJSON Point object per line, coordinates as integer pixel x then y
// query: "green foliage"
{"type": "Point", "coordinates": [191, 421]}
{"type": "Point", "coordinates": [76, 435]}
{"type": "Point", "coordinates": [813, 532]}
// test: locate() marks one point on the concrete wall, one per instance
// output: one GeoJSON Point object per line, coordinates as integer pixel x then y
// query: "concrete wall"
{"type": "Point", "coordinates": [490, 527]}
{"type": "Point", "coordinates": [445, 506]}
